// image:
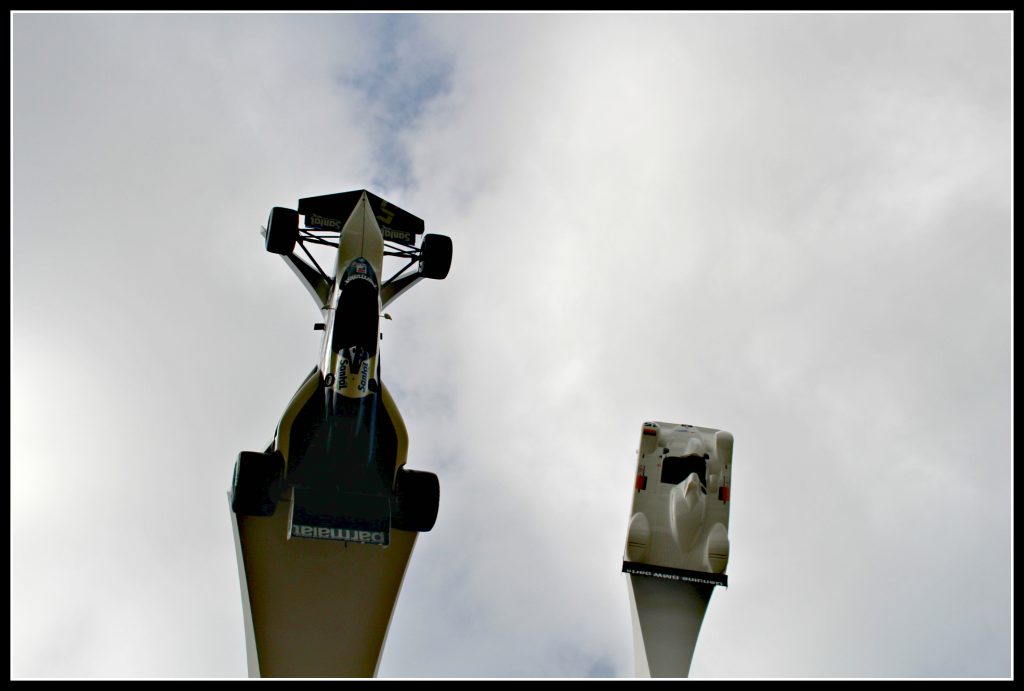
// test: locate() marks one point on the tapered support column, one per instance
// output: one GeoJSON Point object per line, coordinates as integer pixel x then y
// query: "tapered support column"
{"type": "Point", "coordinates": [666, 621]}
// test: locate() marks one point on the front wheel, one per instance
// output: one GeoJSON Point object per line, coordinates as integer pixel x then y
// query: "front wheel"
{"type": "Point", "coordinates": [282, 230]}
{"type": "Point", "coordinates": [435, 256]}
{"type": "Point", "coordinates": [415, 500]}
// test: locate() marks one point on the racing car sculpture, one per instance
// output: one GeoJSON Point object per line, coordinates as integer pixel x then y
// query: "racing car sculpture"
{"type": "Point", "coordinates": [677, 542]}
{"type": "Point", "coordinates": [338, 454]}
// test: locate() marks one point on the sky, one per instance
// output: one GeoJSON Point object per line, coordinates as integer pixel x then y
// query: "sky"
{"type": "Point", "coordinates": [794, 227]}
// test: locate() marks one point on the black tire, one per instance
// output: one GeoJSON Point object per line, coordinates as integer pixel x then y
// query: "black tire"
{"type": "Point", "coordinates": [256, 484]}
{"type": "Point", "coordinates": [415, 501]}
{"type": "Point", "coordinates": [435, 256]}
{"type": "Point", "coordinates": [282, 230]}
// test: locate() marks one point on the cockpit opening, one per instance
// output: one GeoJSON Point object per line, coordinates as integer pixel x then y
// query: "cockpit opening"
{"type": "Point", "coordinates": [675, 469]}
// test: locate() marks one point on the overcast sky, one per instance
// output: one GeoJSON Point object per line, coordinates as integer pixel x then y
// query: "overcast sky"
{"type": "Point", "coordinates": [793, 227]}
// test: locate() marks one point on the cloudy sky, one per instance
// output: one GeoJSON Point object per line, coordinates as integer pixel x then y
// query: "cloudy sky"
{"type": "Point", "coordinates": [793, 227]}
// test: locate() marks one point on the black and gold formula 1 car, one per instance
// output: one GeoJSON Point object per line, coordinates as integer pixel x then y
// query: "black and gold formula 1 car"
{"type": "Point", "coordinates": [337, 460]}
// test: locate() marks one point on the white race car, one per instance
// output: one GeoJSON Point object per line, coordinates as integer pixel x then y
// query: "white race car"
{"type": "Point", "coordinates": [679, 528]}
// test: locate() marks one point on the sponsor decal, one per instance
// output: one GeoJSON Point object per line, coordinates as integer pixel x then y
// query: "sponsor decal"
{"type": "Point", "coordinates": [341, 379]}
{"type": "Point", "coordinates": [386, 215]}
{"type": "Point", "coordinates": [671, 574]}
{"type": "Point", "coordinates": [403, 236]}
{"type": "Point", "coordinates": [361, 270]}
{"type": "Point", "coordinates": [329, 380]}
{"type": "Point", "coordinates": [370, 537]}
{"type": "Point", "coordinates": [321, 222]}
{"type": "Point", "coordinates": [359, 277]}
{"type": "Point", "coordinates": [341, 383]}
{"type": "Point", "coordinates": [641, 479]}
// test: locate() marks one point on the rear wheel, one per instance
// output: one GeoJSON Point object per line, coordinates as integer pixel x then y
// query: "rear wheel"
{"type": "Point", "coordinates": [282, 230]}
{"type": "Point", "coordinates": [435, 256]}
{"type": "Point", "coordinates": [415, 501]}
{"type": "Point", "coordinates": [255, 485]}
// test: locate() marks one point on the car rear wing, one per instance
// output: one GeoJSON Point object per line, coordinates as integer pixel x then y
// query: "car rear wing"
{"type": "Point", "coordinates": [330, 211]}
